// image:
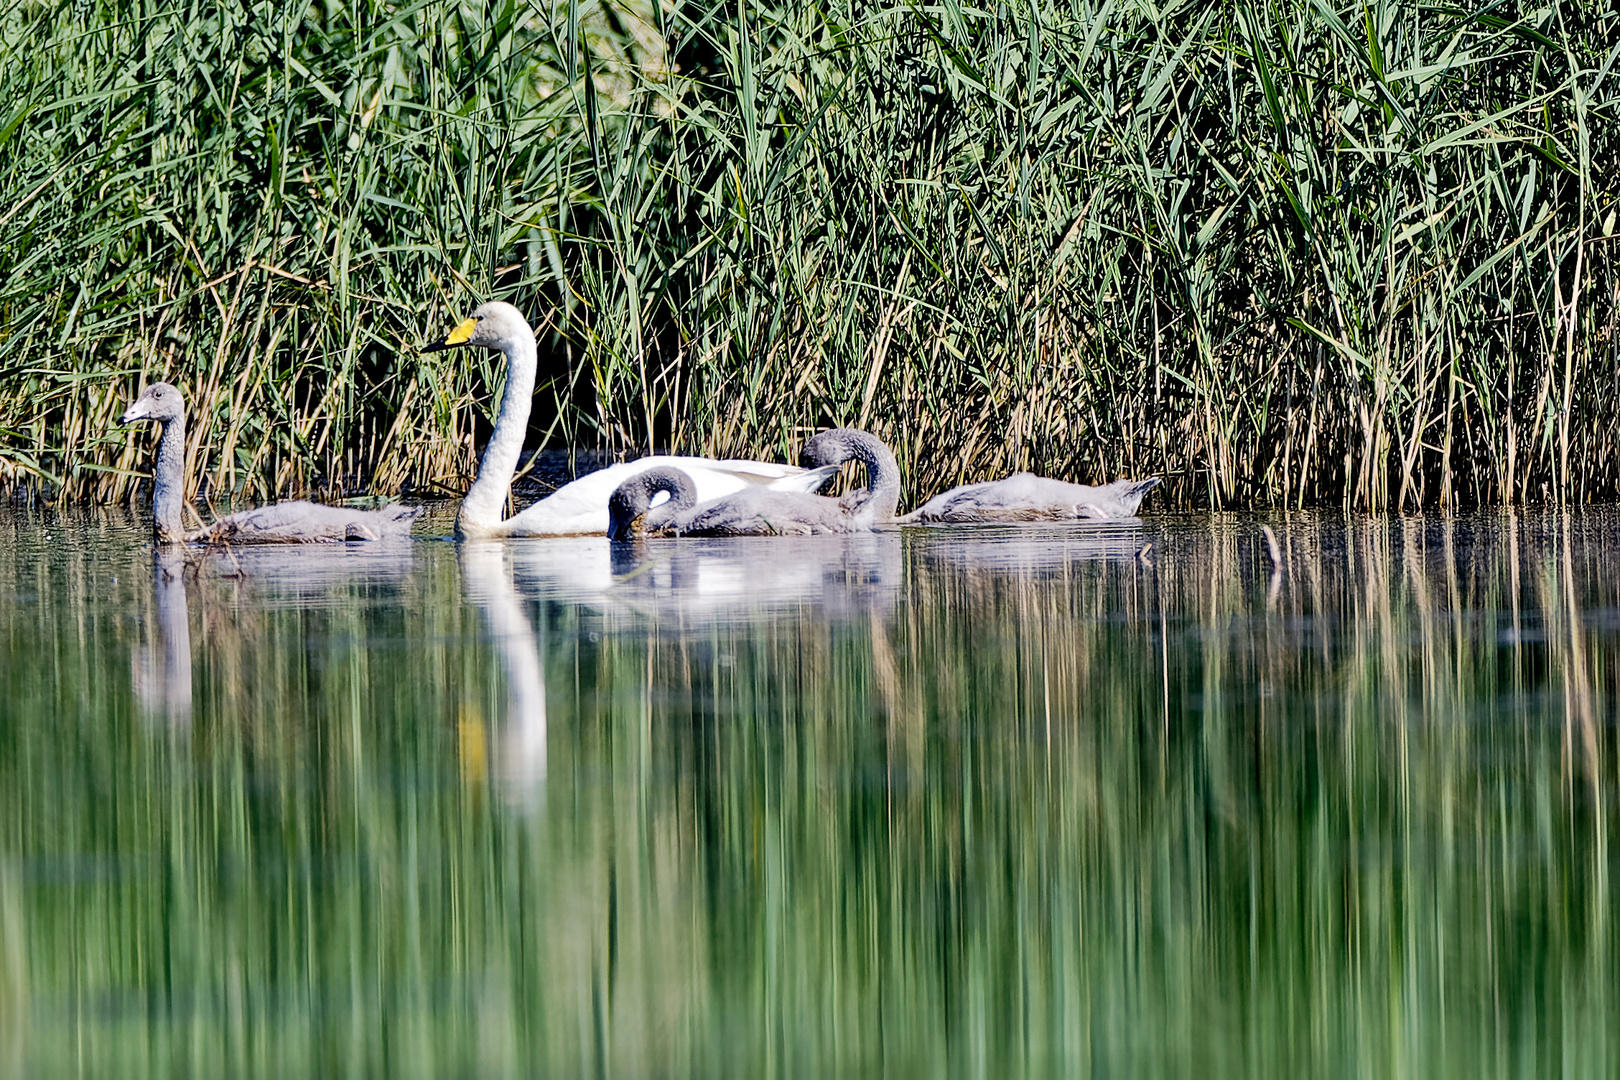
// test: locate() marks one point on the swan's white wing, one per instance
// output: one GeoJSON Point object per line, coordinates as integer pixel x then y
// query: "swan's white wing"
{"type": "Point", "coordinates": [749, 472]}
{"type": "Point", "coordinates": [805, 481]}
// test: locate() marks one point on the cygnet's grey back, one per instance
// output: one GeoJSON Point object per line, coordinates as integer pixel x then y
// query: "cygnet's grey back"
{"type": "Point", "coordinates": [309, 523]}
{"type": "Point", "coordinates": [1027, 497]}
{"type": "Point", "coordinates": [765, 512]}
{"type": "Point", "coordinates": [630, 510]}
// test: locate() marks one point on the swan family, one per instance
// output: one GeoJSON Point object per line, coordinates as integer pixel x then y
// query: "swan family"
{"type": "Point", "coordinates": [659, 495]}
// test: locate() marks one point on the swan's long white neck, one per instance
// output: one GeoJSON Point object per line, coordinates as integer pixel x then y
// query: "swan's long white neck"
{"type": "Point", "coordinates": [480, 513]}
{"type": "Point", "coordinates": [169, 482]}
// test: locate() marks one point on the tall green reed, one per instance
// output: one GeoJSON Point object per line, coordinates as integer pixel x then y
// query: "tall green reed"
{"type": "Point", "coordinates": [269, 206]}
{"type": "Point", "coordinates": [1282, 253]}
{"type": "Point", "coordinates": [1287, 254]}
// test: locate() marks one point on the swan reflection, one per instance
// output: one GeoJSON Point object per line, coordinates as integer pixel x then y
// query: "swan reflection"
{"type": "Point", "coordinates": [314, 576]}
{"type": "Point", "coordinates": [235, 590]}
{"type": "Point", "coordinates": [518, 755]}
{"type": "Point", "coordinates": [717, 580]}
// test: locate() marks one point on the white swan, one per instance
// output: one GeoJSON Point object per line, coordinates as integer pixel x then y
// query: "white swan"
{"type": "Point", "coordinates": [1027, 497]}
{"type": "Point", "coordinates": [282, 523]}
{"type": "Point", "coordinates": [759, 511]}
{"type": "Point", "coordinates": [579, 508]}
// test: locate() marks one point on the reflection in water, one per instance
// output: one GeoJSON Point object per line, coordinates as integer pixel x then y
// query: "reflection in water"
{"type": "Point", "coordinates": [1015, 550]}
{"type": "Point", "coordinates": [520, 749]}
{"type": "Point", "coordinates": [162, 675]}
{"type": "Point", "coordinates": [723, 579]}
{"type": "Point", "coordinates": [298, 575]}
{"type": "Point", "coordinates": [1002, 801]}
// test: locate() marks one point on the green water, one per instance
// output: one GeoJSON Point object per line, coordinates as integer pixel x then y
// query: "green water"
{"type": "Point", "coordinates": [933, 803]}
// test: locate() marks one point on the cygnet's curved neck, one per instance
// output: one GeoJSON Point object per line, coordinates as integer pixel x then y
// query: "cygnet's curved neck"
{"type": "Point", "coordinates": [169, 482]}
{"type": "Point", "coordinates": [882, 471]}
{"type": "Point", "coordinates": [481, 509]}
{"type": "Point", "coordinates": [882, 477]}
{"type": "Point", "coordinates": [627, 507]}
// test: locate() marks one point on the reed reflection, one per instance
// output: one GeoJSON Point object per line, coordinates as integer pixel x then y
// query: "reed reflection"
{"type": "Point", "coordinates": [929, 802]}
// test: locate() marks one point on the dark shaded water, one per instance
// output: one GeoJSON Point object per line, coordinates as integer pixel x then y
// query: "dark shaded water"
{"type": "Point", "coordinates": [988, 803]}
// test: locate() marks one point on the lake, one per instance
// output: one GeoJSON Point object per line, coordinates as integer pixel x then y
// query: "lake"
{"type": "Point", "coordinates": [975, 802]}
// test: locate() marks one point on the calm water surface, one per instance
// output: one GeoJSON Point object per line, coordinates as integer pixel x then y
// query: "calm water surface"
{"type": "Point", "coordinates": [930, 803]}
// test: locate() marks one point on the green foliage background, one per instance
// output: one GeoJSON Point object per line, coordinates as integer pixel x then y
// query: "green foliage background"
{"type": "Point", "coordinates": [1283, 253]}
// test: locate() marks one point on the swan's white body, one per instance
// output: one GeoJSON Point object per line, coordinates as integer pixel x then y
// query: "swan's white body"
{"type": "Point", "coordinates": [580, 507]}
{"type": "Point", "coordinates": [763, 511]}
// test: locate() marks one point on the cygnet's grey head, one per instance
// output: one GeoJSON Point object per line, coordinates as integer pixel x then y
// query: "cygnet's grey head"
{"type": "Point", "coordinates": [160, 401]}
{"type": "Point", "coordinates": [629, 515]}
{"type": "Point", "coordinates": [835, 446]}
{"type": "Point", "coordinates": [831, 447]}
{"type": "Point", "coordinates": [492, 325]}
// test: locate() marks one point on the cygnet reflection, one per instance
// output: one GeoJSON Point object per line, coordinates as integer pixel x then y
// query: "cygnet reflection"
{"type": "Point", "coordinates": [718, 580]}
{"type": "Point", "coordinates": [518, 754]}
{"type": "Point", "coordinates": [160, 670]}
{"type": "Point", "coordinates": [304, 576]}
{"type": "Point", "coordinates": [1016, 550]}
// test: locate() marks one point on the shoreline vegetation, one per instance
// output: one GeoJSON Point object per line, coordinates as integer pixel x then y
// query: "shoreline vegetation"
{"type": "Point", "coordinates": [1306, 253]}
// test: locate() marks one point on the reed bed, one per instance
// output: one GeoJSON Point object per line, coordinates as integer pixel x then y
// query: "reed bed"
{"type": "Point", "coordinates": [1300, 253]}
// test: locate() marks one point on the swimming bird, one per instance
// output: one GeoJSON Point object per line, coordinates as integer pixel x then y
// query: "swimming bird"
{"type": "Point", "coordinates": [630, 511]}
{"type": "Point", "coordinates": [581, 507]}
{"type": "Point", "coordinates": [878, 500]}
{"type": "Point", "coordinates": [1027, 497]}
{"type": "Point", "coordinates": [282, 523]}
{"type": "Point", "coordinates": [764, 512]}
